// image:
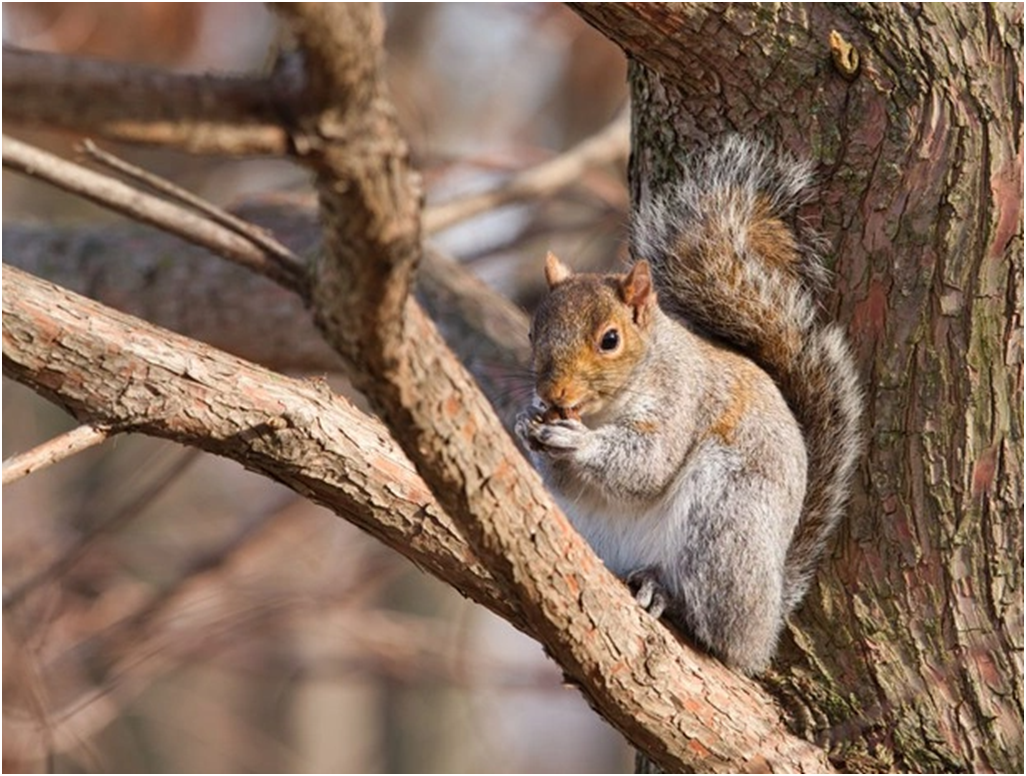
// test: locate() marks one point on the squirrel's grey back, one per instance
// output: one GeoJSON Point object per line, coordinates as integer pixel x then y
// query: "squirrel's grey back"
{"type": "Point", "coordinates": [714, 243]}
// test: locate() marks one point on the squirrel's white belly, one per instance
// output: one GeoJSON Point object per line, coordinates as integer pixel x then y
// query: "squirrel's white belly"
{"type": "Point", "coordinates": [624, 538]}
{"type": "Point", "coordinates": [628, 536]}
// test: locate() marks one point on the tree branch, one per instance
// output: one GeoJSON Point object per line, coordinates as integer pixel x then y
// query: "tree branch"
{"type": "Point", "coordinates": [369, 196]}
{"type": "Point", "coordinates": [610, 144]}
{"type": "Point", "coordinates": [300, 434]}
{"type": "Point", "coordinates": [142, 642]}
{"type": "Point", "coordinates": [289, 261]}
{"type": "Point", "coordinates": [109, 368]}
{"type": "Point", "coordinates": [110, 522]}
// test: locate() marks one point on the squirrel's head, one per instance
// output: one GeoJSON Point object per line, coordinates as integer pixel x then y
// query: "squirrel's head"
{"type": "Point", "coordinates": [588, 335]}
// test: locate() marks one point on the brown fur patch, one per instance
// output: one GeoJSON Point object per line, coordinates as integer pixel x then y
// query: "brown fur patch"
{"type": "Point", "coordinates": [739, 399]}
{"type": "Point", "coordinates": [770, 238]}
{"type": "Point", "coordinates": [645, 426]}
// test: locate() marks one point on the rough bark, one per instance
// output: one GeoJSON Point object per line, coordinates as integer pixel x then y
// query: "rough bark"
{"type": "Point", "coordinates": [908, 653]}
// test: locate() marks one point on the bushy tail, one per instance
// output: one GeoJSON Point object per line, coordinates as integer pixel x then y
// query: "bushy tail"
{"type": "Point", "coordinates": [729, 254]}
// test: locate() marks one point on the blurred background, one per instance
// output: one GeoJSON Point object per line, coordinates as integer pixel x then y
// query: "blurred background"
{"type": "Point", "coordinates": [164, 610]}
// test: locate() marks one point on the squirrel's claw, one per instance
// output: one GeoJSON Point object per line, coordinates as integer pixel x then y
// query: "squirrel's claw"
{"type": "Point", "coordinates": [527, 426]}
{"type": "Point", "coordinates": [648, 590]}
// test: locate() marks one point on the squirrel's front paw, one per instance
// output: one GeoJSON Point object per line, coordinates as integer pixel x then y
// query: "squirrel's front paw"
{"type": "Point", "coordinates": [558, 437]}
{"type": "Point", "coordinates": [561, 437]}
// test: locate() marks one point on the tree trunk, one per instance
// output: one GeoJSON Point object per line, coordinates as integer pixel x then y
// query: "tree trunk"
{"type": "Point", "coordinates": [908, 652]}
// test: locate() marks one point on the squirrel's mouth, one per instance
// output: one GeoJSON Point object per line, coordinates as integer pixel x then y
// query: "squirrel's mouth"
{"type": "Point", "coordinates": [558, 412]}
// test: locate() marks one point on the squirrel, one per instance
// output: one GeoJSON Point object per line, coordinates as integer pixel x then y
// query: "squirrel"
{"type": "Point", "coordinates": [696, 421]}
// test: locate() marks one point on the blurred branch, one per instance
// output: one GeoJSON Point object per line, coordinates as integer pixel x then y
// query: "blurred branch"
{"type": "Point", "coordinates": [56, 449]}
{"type": "Point", "coordinates": [254, 318]}
{"type": "Point", "coordinates": [143, 207]}
{"type": "Point", "coordinates": [415, 650]}
{"type": "Point", "coordinates": [111, 522]}
{"type": "Point", "coordinates": [289, 261]}
{"type": "Point", "coordinates": [608, 145]}
{"type": "Point", "coordinates": [126, 657]}
{"type": "Point", "coordinates": [198, 113]}
{"type": "Point", "coordinates": [486, 330]}
{"type": "Point", "coordinates": [145, 630]}
{"type": "Point", "coordinates": [258, 320]}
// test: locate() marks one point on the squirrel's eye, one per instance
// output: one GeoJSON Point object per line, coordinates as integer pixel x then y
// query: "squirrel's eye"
{"type": "Point", "coordinates": [610, 340]}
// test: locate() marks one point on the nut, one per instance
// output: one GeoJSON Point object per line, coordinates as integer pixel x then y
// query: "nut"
{"type": "Point", "coordinates": [555, 413]}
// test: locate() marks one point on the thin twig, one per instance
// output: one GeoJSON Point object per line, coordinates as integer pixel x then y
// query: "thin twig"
{"type": "Point", "coordinates": [251, 232]}
{"type": "Point", "coordinates": [136, 204]}
{"type": "Point", "coordinates": [121, 516]}
{"type": "Point", "coordinates": [609, 144]}
{"type": "Point", "coordinates": [52, 451]}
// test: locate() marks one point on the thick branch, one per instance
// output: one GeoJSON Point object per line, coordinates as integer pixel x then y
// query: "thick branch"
{"type": "Point", "coordinates": [108, 368]}
{"type": "Point", "coordinates": [369, 196]}
{"type": "Point", "coordinates": [685, 42]}
{"type": "Point", "coordinates": [198, 113]}
{"type": "Point", "coordinates": [732, 67]}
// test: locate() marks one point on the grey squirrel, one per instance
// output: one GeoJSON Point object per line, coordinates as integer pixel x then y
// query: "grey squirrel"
{"type": "Point", "coordinates": [702, 443]}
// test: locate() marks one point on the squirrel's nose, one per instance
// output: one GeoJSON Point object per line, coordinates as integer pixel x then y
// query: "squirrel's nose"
{"type": "Point", "coordinates": [560, 394]}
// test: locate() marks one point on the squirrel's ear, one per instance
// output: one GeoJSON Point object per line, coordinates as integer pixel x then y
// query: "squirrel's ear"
{"type": "Point", "coordinates": [555, 270]}
{"type": "Point", "coordinates": [636, 287]}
